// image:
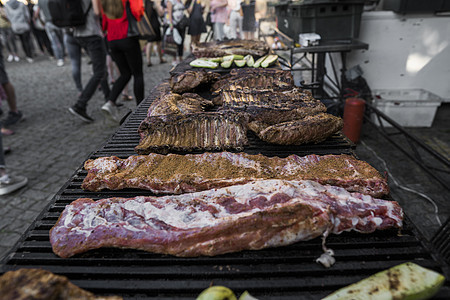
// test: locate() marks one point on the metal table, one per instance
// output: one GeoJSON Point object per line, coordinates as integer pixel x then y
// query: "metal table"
{"type": "Point", "coordinates": [314, 59]}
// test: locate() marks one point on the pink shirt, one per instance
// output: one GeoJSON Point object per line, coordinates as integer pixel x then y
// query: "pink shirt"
{"type": "Point", "coordinates": [219, 11]}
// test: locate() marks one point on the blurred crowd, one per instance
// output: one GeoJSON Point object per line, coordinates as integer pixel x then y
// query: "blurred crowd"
{"type": "Point", "coordinates": [118, 37]}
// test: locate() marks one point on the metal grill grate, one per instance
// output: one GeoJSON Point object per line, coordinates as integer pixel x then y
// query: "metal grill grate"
{"type": "Point", "coordinates": [281, 273]}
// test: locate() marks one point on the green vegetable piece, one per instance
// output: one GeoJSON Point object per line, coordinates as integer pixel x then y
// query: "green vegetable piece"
{"type": "Point", "coordinates": [258, 62]}
{"type": "Point", "coordinates": [217, 292]}
{"type": "Point", "coordinates": [226, 63]}
{"type": "Point", "coordinates": [269, 60]}
{"type": "Point", "coordinates": [246, 296]}
{"type": "Point", "coordinates": [203, 63]}
{"type": "Point", "coordinates": [240, 63]}
{"type": "Point", "coordinates": [250, 60]}
{"type": "Point", "coordinates": [233, 57]}
{"type": "Point", "coordinates": [406, 281]}
{"type": "Point", "coordinates": [215, 59]}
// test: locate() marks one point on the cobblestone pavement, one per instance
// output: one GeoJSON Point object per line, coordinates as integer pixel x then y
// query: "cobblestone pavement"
{"type": "Point", "coordinates": [50, 144]}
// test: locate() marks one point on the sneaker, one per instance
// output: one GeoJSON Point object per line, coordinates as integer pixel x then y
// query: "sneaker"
{"type": "Point", "coordinates": [111, 111]}
{"type": "Point", "coordinates": [9, 184]}
{"type": "Point", "coordinates": [10, 58]}
{"type": "Point", "coordinates": [30, 60]}
{"type": "Point", "coordinates": [80, 113]}
{"type": "Point", "coordinates": [16, 58]}
{"type": "Point", "coordinates": [60, 63]}
{"type": "Point", "coordinates": [13, 118]}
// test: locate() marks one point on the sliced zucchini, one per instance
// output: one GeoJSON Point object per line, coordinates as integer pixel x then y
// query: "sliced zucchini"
{"type": "Point", "coordinates": [258, 62]}
{"type": "Point", "coordinates": [405, 281]}
{"type": "Point", "coordinates": [217, 292]}
{"type": "Point", "coordinates": [233, 57]}
{"type": "Point", "coordinates": [216, 59]}
{"type": "Point", "coordinates": [226, 63]}
{"type": "Point", "coordinates": [203, 63]}
{"type": "Point", "coordinates": [270, 59]}
{"type": "Point", "coordinates": [250, 60]}
{"type": "Point", "coordinates": [246, 296]}
{"type": "Point", "coordinates": [240, 63]}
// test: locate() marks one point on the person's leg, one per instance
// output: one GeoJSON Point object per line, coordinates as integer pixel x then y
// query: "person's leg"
{"type": "Point", "coordinates": [54, 40]}
{"type": "Point", "coordinates": [119, 56]}
{"type": "Point", "coordinates": [11, 40]}
{"type": "Point", "coordinates": [25, 40]}
{"type": "Point", "coordinates": [160, 53]}
{"type": "Point", "coordinates": [96, 50]}
{"type": "Point", "coordinates": [74, 51]}
{"type": "Point", "coordinates": [148, 53]}
{"type": "Point", "coordinates": [135, 64]}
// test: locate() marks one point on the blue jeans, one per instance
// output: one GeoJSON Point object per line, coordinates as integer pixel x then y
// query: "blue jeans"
{"type": "Point", "coordinates": [55, 35]}
{"type": "Point", "coordinates": [96, 50]}
{"type": "Point", "coordinates": [74, 51]}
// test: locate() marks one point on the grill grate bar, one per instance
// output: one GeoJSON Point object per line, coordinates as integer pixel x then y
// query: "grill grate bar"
{"type": "Point", "coordinates": [283, 273]}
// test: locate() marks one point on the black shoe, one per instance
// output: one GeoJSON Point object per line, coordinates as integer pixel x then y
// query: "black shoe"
{"type": "Point", "coordinates": [80, 113]}
{"type": "Point", "coordinates": [13, 118]}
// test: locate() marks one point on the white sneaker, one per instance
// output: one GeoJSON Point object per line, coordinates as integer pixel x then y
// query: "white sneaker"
{"type": "Point", "coordinates": [111, 111]}
{"type": "Point", "coordinates": [60, 63]}
{"type": "Point", "coordinates": [30, 60]}
{"type": "Point", "coordinates": [9, 184]}
{"type": "Point", "coordinates": [16, 58]}
{"type": "Point", "coordinates": [10, 58]}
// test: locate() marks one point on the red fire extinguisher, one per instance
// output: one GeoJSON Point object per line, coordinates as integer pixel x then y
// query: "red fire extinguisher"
{"type": "Point", "coordinates": [353, 118]}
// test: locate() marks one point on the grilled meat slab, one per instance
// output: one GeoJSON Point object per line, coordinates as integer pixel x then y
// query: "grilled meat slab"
{"type": "Point", "coordinates": [310, 129]}
{"type": "Point", "coordinates": [272, 107]}
{"type": "Point", "coordinates": [190, 80]}
{"type": "Point", "coordinates": [172, 103]}
{"type": "Point", "coordinates": [27, 284]}
{"type": "Point", "coordinates": [255, 78]}
{"type": "Point", "coordinates": [239, 47]}
{"type": "Point", "coordinates": [257, 215]}
{"type": "Point", "coordinates": [175, 173]}
{"type": "Point", "coordinates": [201, 131]}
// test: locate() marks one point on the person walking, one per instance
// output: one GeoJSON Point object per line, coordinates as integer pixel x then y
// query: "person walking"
{"type": "Point", "coordinates": [19, 16]}
{"type": "Point", "coordinates": [174, 20]}
{"type": "Point", "coordinates": [7, 36]}
{"type": "Point", "coordinates": [154, 11]}
{"type": "Point", "coordinates": [219, 17]}
{"type": "Point", "coordinates": [119, 21]}
{"type": "Point", "coordinates": [8, 183]}
{"type": "Point", "coordinates": [197, 10]}
{"type": "Point", "coordinates": [90, 37]}
{"type": "Point", "coordinates": [235, 19]}
{"type": "Point", "coordinates": [54, 33]}
{"type": "Point", "coordinates": [39, 31]}
{"type": "Point", "coordinates": [249, 20]}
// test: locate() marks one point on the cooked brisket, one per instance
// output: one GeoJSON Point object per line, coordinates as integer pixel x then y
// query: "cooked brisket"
{"type": "Point", "coordinates": [310, 129]}
{"type": "Point", "coordinates": [175, 173]}
{"type": "Point", "coordinates": [257, 215]}
{"type": "Point", "coordinates": [200, 131]}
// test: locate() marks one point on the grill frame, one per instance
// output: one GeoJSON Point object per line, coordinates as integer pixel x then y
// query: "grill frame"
{"type": "Point", "coordinates": [288, 272]}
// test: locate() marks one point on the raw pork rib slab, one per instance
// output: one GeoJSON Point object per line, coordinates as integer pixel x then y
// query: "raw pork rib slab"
{"type": "Point", "coordinates": [257, 215]}
{"type": "Point", "coordinates": [176, 174]}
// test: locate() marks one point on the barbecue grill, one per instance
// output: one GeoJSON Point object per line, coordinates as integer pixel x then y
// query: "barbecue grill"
{"type": "Point", "coordinates": [279, 273]}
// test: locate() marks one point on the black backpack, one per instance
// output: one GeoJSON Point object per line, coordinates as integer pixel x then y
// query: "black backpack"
{"type": "Point", "coordinates": [68, 13]}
